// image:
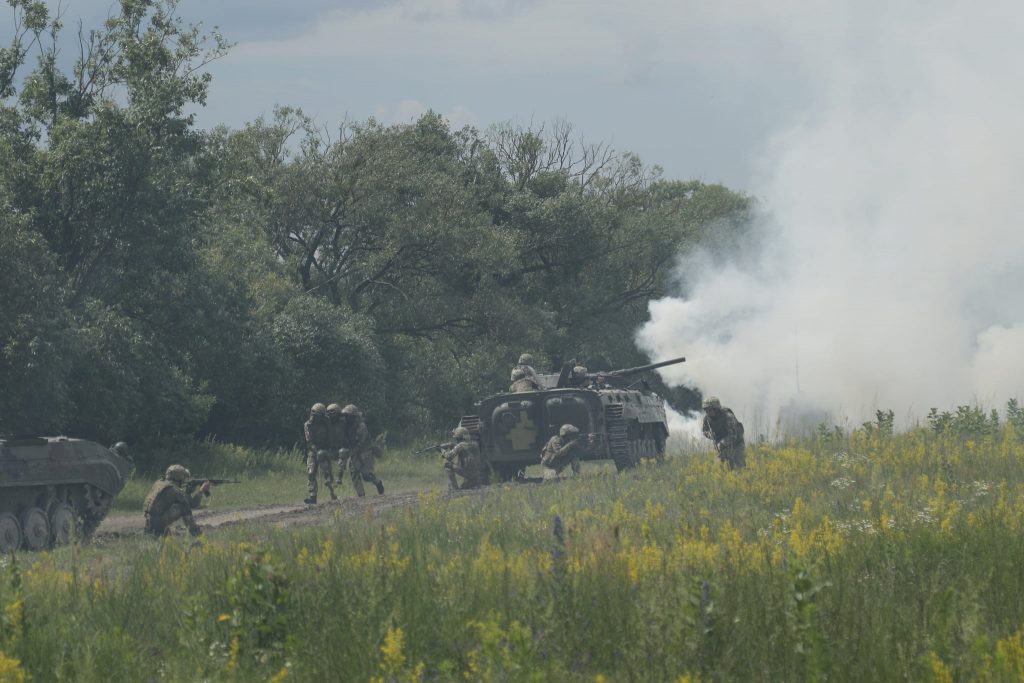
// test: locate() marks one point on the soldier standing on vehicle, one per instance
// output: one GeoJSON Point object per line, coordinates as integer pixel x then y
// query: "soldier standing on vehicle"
{"type": "Point", "coordinates": [522, 382]}
{"type": "Point", "coordinates": [168, 502]}
{"type": "Point", "coordinates": [359, 452]}
{"type": "Point", "coordinates": [464, 460]}
{"type": "Point", "coordinates": [526, 365]}
{"type": "Point", "coordinates": [318, 447]}
{"type": "Point", "coordinates": [561, 450]}
{"type": "Point", "coordinates": [722, 427]}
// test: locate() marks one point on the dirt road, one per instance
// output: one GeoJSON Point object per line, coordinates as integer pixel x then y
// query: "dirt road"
{"type": "Point", "coordinates": [280, 515]}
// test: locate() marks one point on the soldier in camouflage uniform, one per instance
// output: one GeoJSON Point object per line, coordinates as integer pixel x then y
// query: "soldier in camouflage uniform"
{"type": "Point", "coordinates": [318, 449]}
{"type": "Point", "coordinates": [337, 433]}
{"type": "Point", "coordinates": [464, 460]}
{"type": "Point", "coordinates": [360, 452]}
{"type": "Point", "coordinates": [522, 382]}
{"type": "Point", "coordinates": [168, 502]}
{"type": "Point", "coordinates": [526, 365]}
{"type": "Point", "coordinates": [722, 427]}
{"type": "Point", "coordinates": [578, 378]}
{"type": "Point", "coordinates": [562, 449]}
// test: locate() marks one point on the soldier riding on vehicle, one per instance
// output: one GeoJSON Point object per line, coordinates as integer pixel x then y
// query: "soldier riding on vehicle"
{"type": "Point", "coordinates": [522, 382]}
{"type": "Point", "coordinates": [526, 365]}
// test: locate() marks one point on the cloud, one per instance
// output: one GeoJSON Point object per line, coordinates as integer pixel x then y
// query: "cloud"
{"type": "Point", "coordinates": [527, 36]}
{"type": "Point", "coordinates": [893, 251]}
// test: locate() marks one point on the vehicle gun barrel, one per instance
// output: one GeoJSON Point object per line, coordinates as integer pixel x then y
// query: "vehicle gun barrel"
{"type": "Point", "coordinates": [626, 372]}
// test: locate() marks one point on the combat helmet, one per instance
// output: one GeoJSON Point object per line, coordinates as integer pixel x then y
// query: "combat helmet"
{"type": "Point", "coordinates": [333, 410]}
{"type": "Point", "coordinates": [526, 359]}
{"type": "Point", "coordinates": [350, 409]}
{"type": "Point", "coordinates": [579, 371]}
{"type": "Point", "coordinates": [568, 430]}
{"type": "Point", "coordinates": [460, 434]}
{"type": "Point", "coordinates": [121, 448]}
{"type": "Point", "coordinates": [518, 374]}
{"type": "Point", "coordinates": [712, 403]}
{"type": "Point", "coordinates": [177, 473]}
{"type": "Point", "coordinates": [318, 410]}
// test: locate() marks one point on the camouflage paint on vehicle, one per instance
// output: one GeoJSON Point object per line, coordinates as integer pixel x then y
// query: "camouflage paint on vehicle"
{"type": "Point", "coordinates": [53, 489]}
{"type": "Point", "coordinates": [629, 421]}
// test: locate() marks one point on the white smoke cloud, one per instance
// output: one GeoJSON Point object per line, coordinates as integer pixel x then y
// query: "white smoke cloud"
{"type": "Point", "coordinates": [892, 268]}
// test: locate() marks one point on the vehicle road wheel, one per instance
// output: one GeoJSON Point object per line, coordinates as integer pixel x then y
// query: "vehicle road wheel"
{"type": "Point", "coordinates": [63, 524]}
{"type": "Point", "coordinates": [35, 529]}
{"type": "Point", "coordinates": [10, 533]}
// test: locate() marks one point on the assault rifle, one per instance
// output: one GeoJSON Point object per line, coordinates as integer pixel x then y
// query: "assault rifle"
{"type": "Point", "coordinates": [196, 482]}
{"type": "Point", "coordinates": [441, 447]}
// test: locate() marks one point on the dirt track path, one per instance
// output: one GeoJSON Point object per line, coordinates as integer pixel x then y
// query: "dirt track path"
{"type": "Point", "coordinates": [281, 515]}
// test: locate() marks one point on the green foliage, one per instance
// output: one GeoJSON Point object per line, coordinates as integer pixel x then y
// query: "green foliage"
{"type": "Point", "coordinates": [970, 422]}
{"type": "Point", "coordinates": [218, 283]}
{"type": "Point", "coordinates": [885, 422]}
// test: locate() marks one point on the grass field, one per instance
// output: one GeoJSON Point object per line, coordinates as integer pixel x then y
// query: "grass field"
{"type": "Point", "coordinates": [270, 476]}
{"type": "Point", "coordinates": [867, 557]}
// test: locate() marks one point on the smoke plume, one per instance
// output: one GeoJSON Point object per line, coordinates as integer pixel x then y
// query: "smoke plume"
{"type": "Point", "coordinates": [890, 267]}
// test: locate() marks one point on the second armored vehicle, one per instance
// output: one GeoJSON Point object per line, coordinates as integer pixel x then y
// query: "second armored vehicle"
{"type": "Point", "coordinates": [55, 488]}
{"type": "Point", "coordinates": [625, 418]}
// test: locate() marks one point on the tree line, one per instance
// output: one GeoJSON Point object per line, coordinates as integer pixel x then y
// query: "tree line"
{"type": "Point", "coordinates": [158, 279]}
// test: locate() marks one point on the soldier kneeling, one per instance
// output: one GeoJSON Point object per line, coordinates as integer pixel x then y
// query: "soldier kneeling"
{"type": "Point", "coordinates": [168, 502]}
{"type": "Point", "coordinates": [464, 460]}
{"type": "Point", "coordinates": [561, 450]}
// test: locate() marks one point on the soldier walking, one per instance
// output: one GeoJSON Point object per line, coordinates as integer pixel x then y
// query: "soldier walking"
{"type": "Point", "coordinates": [337, 433]}
{"type": "Point", "coordinates": [168, 502]}
{"type": "Point", "coordinates": [359, 452]}
{"type": "Point", "coordinates": [464, 460]}
{"type": "Point", "coordinates": [722, 427]}
{"type": "Point", "coordinates": [318, 445]}
{"type": "Point", "coordinates": [563, 449]}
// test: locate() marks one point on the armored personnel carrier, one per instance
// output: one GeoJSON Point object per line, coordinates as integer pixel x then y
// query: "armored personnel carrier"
{"type": "Point", "coordinates": [627, 419]}
{"type": "Point", "coordinates": [54, 488]}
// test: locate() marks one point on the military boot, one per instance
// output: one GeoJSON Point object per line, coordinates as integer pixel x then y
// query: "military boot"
{"type": "Point", "coordinates": [334, 496]}
{"type": "Point", "coordinates": [310, 500]}
{"type": "Point", "coordinates": [380, 487]}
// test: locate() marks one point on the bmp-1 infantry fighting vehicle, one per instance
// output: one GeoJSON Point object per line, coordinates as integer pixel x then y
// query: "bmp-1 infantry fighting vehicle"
{"type": "Point", "coordinates": [626, 418]}
{"type": "Point", "coordinates": [54, 488]}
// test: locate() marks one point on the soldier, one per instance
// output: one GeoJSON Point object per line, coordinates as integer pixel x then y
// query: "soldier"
{"type": "Point", "coordinates": [337, 432]}
{"type": "Point", "coordinates": [722, 427]}
{"type": "Point", "coordinates": [578, 377]}
{"type": "Point", "coordinates": [562, 449]}
{"type": "Point", "coordinates": [318, 445]}
{"type": "Point", "coordinates": [359, 452]}
{"type": "Point", "coordinates": [526, 365]}
{"type": "Point", "coordinates": [522, 382]}
{"type": "Point", "coordinates": [168, 502]}
{"type": "Point", "coordinates": [464, 460]}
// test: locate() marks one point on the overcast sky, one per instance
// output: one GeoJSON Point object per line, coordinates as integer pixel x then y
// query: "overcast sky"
{"type": "Point", "coordinates": [697, 88]}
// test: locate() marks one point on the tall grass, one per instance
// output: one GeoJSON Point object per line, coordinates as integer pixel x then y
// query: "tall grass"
{"type": "Point", "coordinates": [869, 557]}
